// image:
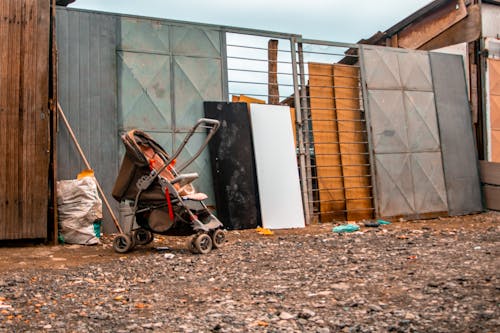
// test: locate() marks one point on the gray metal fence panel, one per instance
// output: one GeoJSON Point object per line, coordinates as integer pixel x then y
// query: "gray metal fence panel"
{"type": "Point", "coordinates": [87, 93]}
{"type": "Point", "coordinates": [458, 148]}
{"type": "Point", "coordinates": [118, 72]}
{"type": "Point", "coordinates": [404, 132]}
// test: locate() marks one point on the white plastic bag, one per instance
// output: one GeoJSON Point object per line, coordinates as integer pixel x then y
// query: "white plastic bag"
{"type": "Point", "coordinates": [79, 206]}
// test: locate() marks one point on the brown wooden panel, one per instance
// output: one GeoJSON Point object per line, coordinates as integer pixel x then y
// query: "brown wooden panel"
{"type": "Point", "coordinates": [495, 145]}
{"type": "Point", "coordinates": [353, 149]}
{"type": "Point", "coordinates": [417, 34]}
{"type": "Point", "coordinates": [492, 197]}
{"type": "Point", "coordinates": [490, 172]}
{"type": "Point", "coordinates": [24, 139]}
{"type": "Point", "coordinates": [494, 102]}
{"type": "Point", "coordinates": [466, 30]}
{"type": "Point", "coordinates": [326, 138]}
{"type": "Point", "coordinates": [494, 76]}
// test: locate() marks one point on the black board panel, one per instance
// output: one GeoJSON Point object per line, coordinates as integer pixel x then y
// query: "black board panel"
{"type": "Point", "coordinates": [233, 166]}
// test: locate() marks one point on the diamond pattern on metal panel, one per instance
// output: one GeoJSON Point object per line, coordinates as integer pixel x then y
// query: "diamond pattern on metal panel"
{"type": "Point", "coordinates": [144, 90]}
{"type": "Point", "coordinates": [193, 41]}
{"type": "Point", "coordinates": [388, 122]}
{"type": "Point", "coordinates": [423, 134]}
{"type": "Point", "coordinates": [143, 35]}
{"type": "Point", "coordinates": [195, 80]}
{"type": "Point", "coordinates": [394, 184]}
{"type": "Point", "coordinates": [382, 69]}
{"type": "Point", "coordinates": [201, 165]}
{"type": "Point", "coordinates": [415, 71]}
{"type": "Point", "coordinates": [428, 180]}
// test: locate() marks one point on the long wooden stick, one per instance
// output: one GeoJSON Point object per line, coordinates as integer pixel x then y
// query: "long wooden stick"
{"type": "Point", "coordinates": [87, 164]}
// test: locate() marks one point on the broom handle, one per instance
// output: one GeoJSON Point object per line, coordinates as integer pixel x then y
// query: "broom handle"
{"type": "Point", "coordinates": [87, 165]}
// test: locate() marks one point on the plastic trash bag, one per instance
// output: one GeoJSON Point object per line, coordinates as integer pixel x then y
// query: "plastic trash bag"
{"type": "Point", "coordinates": [79, 207]}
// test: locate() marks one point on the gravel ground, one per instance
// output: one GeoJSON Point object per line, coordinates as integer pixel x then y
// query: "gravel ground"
{"type": "Point", "coordinates": [422, 276]}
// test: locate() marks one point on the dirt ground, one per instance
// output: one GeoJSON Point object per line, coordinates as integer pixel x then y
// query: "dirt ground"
{"type": "Point", "coordinates": [437, 275]}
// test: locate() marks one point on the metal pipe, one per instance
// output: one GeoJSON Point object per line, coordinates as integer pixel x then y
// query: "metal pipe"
{"type": "Point", "coordinates": [305, 119]}
{"type": "Point", "coordinates": [87, 165]}
{"type": "Point", "coordinates": [300, 135]}
{"type": "Point", "coordinates": [371, 155]}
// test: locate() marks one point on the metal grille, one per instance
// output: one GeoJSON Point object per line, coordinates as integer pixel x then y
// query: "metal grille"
{"type": "Point", "coordinates": [321, 83]}
{"type": "Point", "coordinates": [337, 160]}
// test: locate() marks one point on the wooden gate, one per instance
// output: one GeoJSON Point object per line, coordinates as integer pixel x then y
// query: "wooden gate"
{"type": "Point", "coordinates": [24, 118]}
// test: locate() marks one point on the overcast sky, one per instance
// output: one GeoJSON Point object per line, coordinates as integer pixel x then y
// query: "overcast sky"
{"type": "Point", "coordinates": [333, 20]}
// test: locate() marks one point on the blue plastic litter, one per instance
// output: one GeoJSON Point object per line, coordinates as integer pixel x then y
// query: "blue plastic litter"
{"type": "Point", "coordinates": [346, 228]}
{"type": "Point", "coordinates": [382, 222]}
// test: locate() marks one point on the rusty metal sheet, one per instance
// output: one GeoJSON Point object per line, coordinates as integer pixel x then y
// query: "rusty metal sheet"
{"type": "Point", "coordinates": [457, 137]}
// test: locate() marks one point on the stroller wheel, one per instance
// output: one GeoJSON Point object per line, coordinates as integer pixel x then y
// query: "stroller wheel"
{"type": "Point", "coordinates": [218, 238]}
{"type": "Point", "coordinates": [123, 243]}
{"type": "Point", "coordinates": [203, 243]}
{"type": "Point", "coordinates": [142, 236]}
{"type": "Point", "coordinates": [191, 246]}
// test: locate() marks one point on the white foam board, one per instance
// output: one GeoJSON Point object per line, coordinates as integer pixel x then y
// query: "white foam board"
{"type": "Point", "coordinates": [276, 164]}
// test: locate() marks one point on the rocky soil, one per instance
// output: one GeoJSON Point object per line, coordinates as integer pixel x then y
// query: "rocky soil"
{"type": "Point", "coordinates": [423, 276]}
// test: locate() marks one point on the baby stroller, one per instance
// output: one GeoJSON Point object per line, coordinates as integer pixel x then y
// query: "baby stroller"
{"type": "Point", "coordinates": [155, 197]}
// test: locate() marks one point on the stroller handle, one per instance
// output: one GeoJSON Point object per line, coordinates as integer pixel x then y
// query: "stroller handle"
{"type": "Point", "coordinates": [211, 124]}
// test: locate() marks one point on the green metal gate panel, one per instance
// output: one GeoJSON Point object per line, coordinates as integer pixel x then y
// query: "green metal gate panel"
{"type": "Point", "coordinates": [195, 80]}
{"type": "Point", "coordinates": [144, 90]}
{"type": "Point", "coordinates": [165, 71]}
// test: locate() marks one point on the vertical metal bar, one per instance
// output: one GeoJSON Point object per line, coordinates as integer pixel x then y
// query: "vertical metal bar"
{"type": "Point", "coordinates": [224, 74]}
{"type": "Point", "coordinates": [305, 120]}
{"type": "Point", "coordinates": [364, 91]}
{"type": "Point", "coordinates": [173, 125]}
{"type": "Point", "coordinates": [298, 113]}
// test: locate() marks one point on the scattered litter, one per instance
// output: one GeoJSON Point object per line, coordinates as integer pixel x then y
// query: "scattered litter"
{"type": "Point", "coordinates": [168, 255]}
{"type": "Point", "coordinates": [371, 224]}
{"type": "Point", "coordinates": [346, 228]}
{"type": "Point", "coordinates": [264, 231]}
{"type": "Point", "coordinates": [382, 222]}
{"type": "Point", "coordinates": [477, 248]}
{"type": "Point", "coordinates": [162, 248]}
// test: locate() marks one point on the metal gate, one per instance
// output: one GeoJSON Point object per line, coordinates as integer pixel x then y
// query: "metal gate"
{"type": "Point", "coordinates": [165, 72]}
{"type": "Point", "coordinates": [320, 81]}
{"type": "Point", "coordinates": [406, 144]}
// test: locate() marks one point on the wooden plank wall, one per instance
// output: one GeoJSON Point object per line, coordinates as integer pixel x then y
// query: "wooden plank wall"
{"type": "Point", "coordinates": [24, 118]}
{"type": "Point", "coordinates": [490, 177]}
{"type": "Point", "coordinates": [326, 142]}
{"type": "Point", "coordinates": [353, 145]}
{"type": "Point", "coordinates": [494, 110]}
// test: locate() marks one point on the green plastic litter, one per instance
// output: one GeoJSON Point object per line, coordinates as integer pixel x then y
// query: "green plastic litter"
{"type": "Point", "coordinates": [346, 228]}
{"type": "Point", "coordinates": [382, 222]}
{"type": "Point", "coordinates": [97, 228]}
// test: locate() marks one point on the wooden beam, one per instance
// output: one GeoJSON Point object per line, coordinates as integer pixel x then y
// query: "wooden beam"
{"type": "Point", "coordinates": [465, 31]}
{"type": "Point", "coordinates": [490, 172]}
{"type": "Point", "coordinates": [272, 84]}
{"type": "Point", "coordinates": [420, 32]}
{"type": "Point", "coordinates": [492, 197]}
